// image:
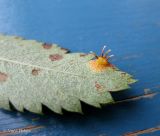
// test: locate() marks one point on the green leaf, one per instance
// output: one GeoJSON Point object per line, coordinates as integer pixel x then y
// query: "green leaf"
{"type": "Point", "coordinates": [33, 73]}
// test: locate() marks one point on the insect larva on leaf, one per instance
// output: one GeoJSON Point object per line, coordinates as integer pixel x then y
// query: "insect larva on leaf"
{"type": "Point", "coordinates": [101, 62]}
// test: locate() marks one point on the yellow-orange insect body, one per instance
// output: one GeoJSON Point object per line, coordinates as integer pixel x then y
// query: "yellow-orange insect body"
{"type": "Point", "coordinates": [101, 62]}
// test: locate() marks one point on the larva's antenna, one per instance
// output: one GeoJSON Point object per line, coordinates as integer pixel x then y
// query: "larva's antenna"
{"type": "Point", "coordinates": [107, 52]}
{"type": "Point", "coordinates": [102, 53]}
{"type": "Point", "coordinates": [94, 54]}
{"type": "Point", "coordinates": [110, 57]}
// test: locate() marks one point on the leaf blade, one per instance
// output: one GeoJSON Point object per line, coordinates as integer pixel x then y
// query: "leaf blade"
{"type": "Point", "coordinates": [38, 75]}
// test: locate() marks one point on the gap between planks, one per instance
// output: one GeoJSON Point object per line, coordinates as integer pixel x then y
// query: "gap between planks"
{"type": "Point", "coordinates": [144, 131]}
{"type": "Point", "coordinates": [134, 98]}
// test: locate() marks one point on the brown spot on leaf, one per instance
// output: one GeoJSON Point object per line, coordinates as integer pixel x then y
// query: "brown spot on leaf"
{"type": "Point", "coordinates": [47, 46]}
{"type": "Point", "coordinates": [97, 85]}
{"type": "Point", "coordinates": [3, 77]}
{"type": "Point", "coordinates": [65, 50]}
{"type": "Point", "coordinates": [17, 37]}
{"type": "Point", "coordinates": [123, 74]}
{"type": "Point", "coordinates": [55, 57]}
{"type": "Point", "coordinates": [35, 72]}
{"type": "Point", "coordinates": [83, 55]}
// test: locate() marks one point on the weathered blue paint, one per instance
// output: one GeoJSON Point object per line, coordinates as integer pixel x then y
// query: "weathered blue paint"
{"type": "Point", "coordinates": [131, 28]}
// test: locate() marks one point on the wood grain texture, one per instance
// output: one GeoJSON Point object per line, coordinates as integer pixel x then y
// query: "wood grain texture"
{"type": "Point", "coordinates": [131, 28]}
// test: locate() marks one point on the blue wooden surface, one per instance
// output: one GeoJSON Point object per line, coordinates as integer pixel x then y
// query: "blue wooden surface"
{"type": "Point", "coordinates": [131, 28]}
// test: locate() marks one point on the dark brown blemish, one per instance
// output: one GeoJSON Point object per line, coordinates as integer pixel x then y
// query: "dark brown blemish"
{"type": "Point", "coordinates": [35, 72]}
{"type": "Point", "coordinates": [144, 131]}
{"type": "Point", "coordinates": [3, 77]}
{"type": "Point", "coordinates": [47, 46]}
{"type": "Point", "coordinates": [65, 50]}
{"type": "Point", "coordinates": [97, 85]}
{"type": "Point", "coordinates": [17, 37]}
{"type": "Point", "coordinates": [55, 57]}
{"type": "Point", "coordinates": [123, 74]}
{"type": "Point", "coordinates": [83, 55]}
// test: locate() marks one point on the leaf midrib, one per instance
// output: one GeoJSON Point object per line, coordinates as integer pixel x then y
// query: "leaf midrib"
{"type": "Point", "coordinates": [36, 66]}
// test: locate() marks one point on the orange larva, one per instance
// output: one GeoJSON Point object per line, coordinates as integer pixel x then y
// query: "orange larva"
{"type": "Point", "coordinates": [101, 62]}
